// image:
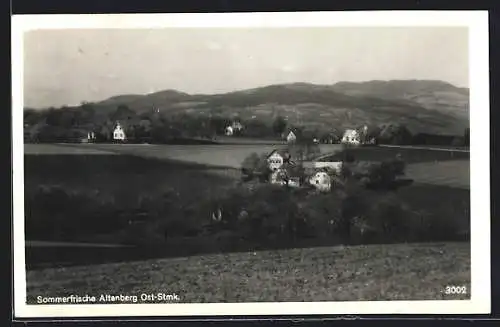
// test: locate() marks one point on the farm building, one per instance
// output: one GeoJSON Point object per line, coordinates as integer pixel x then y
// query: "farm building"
{"type": "Point", "coordinates": [291, 137]}
{"type": "Point", "coordinates": [280, 176]}
{"type": "Point", "coordinates": [235, 127]}
{"type": "Point", "coordinates": [351, 136]}
{"type": "Point", "coordinates": [329, 138]}
{"type": "Point", "coordinates": [90, 136]}
{"type": "Point", "coordinates": [334, 166]}
{"type": "Point", "coordinates": [119, 133]}
{"type": "Point", "coordinates": [321, 181]}
{"type": "Point", "coordinates": [280, 162]}
{"type": "Point", "coordinates": [277, 158]}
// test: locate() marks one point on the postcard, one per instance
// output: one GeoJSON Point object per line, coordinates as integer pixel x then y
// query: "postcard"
{"type": "Point", "coordinates": [251, 164]}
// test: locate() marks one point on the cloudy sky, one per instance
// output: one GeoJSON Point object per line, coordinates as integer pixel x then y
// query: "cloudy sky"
{"type": "Point", "coordinates": [66, 67]}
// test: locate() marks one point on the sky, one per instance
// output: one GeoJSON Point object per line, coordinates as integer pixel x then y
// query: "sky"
{"type": "Point", "coordinates": [67, 67]}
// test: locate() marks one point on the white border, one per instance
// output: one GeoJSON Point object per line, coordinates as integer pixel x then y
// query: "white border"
{"type": "Point", "coordinates": [476, 21]}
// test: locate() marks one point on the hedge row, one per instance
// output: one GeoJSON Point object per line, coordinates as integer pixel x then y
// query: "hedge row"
{"type": "Point", "coordinates": [260, 213]}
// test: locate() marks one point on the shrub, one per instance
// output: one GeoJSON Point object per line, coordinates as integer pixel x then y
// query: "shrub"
{"type": "Point", "coordinates": [52, 212]}
{"type": "Point", "coordinates": [321, 214]}
{"type": "Point", "coordinates": [381, 175]}
{"type": "Point", "coordinates": [255, 165]}
{"type": "Point", "coordinates": [385, 173]}
{"type": "Point", "coordinates": [387, 220]}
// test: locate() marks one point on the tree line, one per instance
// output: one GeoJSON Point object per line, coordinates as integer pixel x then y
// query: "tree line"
{"type": "Point", "coordinates": [72, 124]}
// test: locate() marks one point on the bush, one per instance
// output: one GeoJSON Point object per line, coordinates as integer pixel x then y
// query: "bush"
{"type": "Point", "coordinates": [370, 217]}
{"type": "Point", "coordinates": [55, 213]}
{"type": "Point", "coordinates": [321, 215]}
{"type": "Point", "coordinates": [383, 175]}
{"type": "Point", "coordinates": [255, 166]}
{"type": "Point", "coordinates": [266, 213]}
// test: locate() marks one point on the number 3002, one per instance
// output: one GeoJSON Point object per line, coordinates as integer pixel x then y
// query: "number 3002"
{"type": "Point", "coordinates": [455, 290]}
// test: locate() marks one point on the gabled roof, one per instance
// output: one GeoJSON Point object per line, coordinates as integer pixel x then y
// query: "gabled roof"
{"type": "Point", "coordinates": [281, 152]}
{"type": "Point", "coordinates": [350, 131]}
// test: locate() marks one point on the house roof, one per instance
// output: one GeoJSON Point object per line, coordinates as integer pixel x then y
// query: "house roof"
{"type": "Point", "coordinates": [350, 132]}
{"type": "Point", "coordinates": [281, 152]}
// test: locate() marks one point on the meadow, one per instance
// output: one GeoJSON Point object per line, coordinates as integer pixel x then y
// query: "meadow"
{"type": "Point", "coordinates": [220, 155]}
{"type": "Point", "coordinates": [357, 273]}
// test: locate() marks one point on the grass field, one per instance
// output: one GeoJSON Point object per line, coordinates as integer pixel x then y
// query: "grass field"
{"type": "Point", "coordinates": [408, 154]}
{"type": "Point", "coordinates": [453, 173]}
{"type": "Point", "coordinates": [222, 155]}
{"type": "Point", "coordinates": [445, 168]}
{"type": "Point", "coordinates": [375, 272]}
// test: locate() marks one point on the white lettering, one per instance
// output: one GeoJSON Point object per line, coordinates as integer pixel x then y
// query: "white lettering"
{"type": "Point", "coordinates": [65, 299]}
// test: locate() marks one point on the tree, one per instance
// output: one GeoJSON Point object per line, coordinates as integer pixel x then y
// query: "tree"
{"type": "Point", "coordinates": [87, 112]}
{"type": "Point", "coordinates": [304, 147]}
{"type": "Point", "coordinates": [458, 141]}
{"type": "Point", "coordinates": [122, 112]}
{"type": "Point", "coordinates": [257, 128]}
{"type": "Point", "coordinates": [467, 137]}
{"type": "Point", "coordinates": [255, 165]}
{"type": "Point", "coordinates": [395, 134]}
{"type": "Point", "coordinates": [279, 125]}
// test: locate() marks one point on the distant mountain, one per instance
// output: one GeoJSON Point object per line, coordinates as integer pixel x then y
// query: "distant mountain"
{"type": "Point", "coordinates": [426, 106]}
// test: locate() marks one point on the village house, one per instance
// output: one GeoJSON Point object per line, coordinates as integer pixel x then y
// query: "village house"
{"type": "Point", "coordinates": [351, 137]}
{"type": "Point", "coordinates": [235, 127]}
{"type": "Point", "coordinates": [90, 137]}
{"type": "Point", "coordinates": [291, 137]}
{"type": "Point", "coordinates": [334, 166]}
{"type": "Point", "coordinates": [277, 158]}
{"type": "Point", "coordinates": [321, 181]}
{"type": "Point", "coordinates": [280, 177]}
{"type": "Point", "coordinates": [119, 133]}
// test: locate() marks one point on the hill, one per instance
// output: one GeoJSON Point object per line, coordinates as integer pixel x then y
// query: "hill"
{"type": "Point", "coordinates": [432, 95]}
{"type": "Point", "coordinates": [424, 106]}
{"type": "Point", "coordinates": [431, 106]}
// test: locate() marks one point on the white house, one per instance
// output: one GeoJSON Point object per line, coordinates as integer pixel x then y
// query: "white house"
{"type": "Point", "coordinates": [237, 126]}
{"type": "Point", "coordinates": [294, 182]}
{"type": "Point", "coordinates": [234, 127]}
{"type": "Point", "coordinates": [351, 136]}
{"type": "Point", "coordinates": [335, 166]}
{"type": "Point", "coordinates": [277, 158]}
{"type": "Point", "coordinates": [321, 181]}
{"type": "Point", "coordinates": [119, 133]}
{"type": "Point", "coordinates": [291, 137]}
{"type": "Point", "coordinates": [90, 136]}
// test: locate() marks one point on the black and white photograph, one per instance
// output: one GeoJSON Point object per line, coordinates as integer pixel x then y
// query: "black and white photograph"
{"type": "Point", "coordinates": [251, 163]}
